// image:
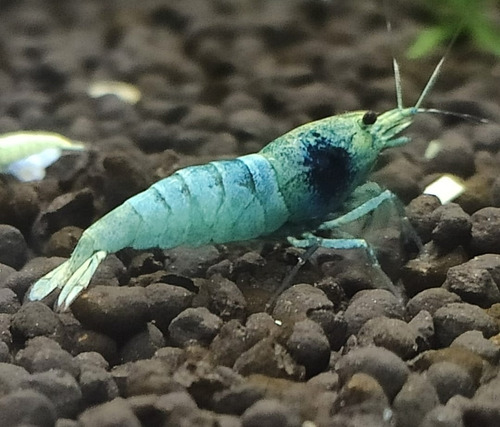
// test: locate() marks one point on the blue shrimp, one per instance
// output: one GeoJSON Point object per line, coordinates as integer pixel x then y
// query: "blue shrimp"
{"type": "Point", "coordinates": [297, 180]}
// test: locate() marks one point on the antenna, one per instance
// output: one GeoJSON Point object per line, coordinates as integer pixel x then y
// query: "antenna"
{"type": "Point", "coordinates": [435, 74]}
{"type": "Point", "coordinates": [395, 65]}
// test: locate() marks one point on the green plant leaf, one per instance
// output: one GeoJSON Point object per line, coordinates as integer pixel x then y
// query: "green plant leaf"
{"type": "Point", "coordinates": [427, 41]}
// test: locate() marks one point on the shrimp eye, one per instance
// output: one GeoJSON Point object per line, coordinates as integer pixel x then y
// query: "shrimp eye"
{"type": "Point", "coordinates": [369, 118]}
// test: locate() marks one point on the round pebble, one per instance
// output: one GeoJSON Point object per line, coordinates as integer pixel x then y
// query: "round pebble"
{"type": "Point", "coordinates": [309, 346]}
{"type": "Point", "coordinates": [449, 380]}
{"type": "Point", "coordinates": [430, 300]}
{"type": "Point", "coordinates": [26, 407]}
{"type": "Point", "coordinates": [454, 319]}
{"type": "Point", "coordinates": [368, 304]}
{"type": "Point", "coordinates": [13, 247]}
{"type": "Point", "coordinates": [393, 334]}
{"type": "Point", "coordinates": [416, 398]}
{"type": "Point", "coordinates": [194, 325]}
{"type": "Point", "coordinates": [486, 231]}
{"type": "Point", "coordinates": [269, 413]}
{"type": "Point", "coordinates": [383, 365]}
{"type": "Point", "coordinates": [114, 310]}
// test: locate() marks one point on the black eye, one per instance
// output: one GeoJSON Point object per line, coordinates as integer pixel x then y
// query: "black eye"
{"type": "Point", "coordinates": [369, 118]}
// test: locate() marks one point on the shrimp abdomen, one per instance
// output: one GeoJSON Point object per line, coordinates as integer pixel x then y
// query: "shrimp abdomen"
{"type": "Point", "coordinates": [218, 202]}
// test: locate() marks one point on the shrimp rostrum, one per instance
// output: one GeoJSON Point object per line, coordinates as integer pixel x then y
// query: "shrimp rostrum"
{"type": "Point", "coordinates": [297, 180]}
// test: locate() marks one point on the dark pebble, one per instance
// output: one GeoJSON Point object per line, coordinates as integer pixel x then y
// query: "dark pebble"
{"type": "Point", "coordinates": [123, 177]}
{"type": "Point", "coordinates": [5, 272]}
{"type": "Point", "coordinates": [483, 410]}
{"type": "Point", "coordinates": [476, 281]}
{"type": "Point", "coordinates": [430, 300]}
{"type": "Point", "coordinates": [43, 354]}
{"type": "Point", "coordinates": [220, 144]}
{"type": "Point", "coordinates": [486, 137]}
{"type": "Point", "coordinates": [475, 342]}
{"type": "Point", "coordinates": [237, 399]}
{"type": "Point", "coordinates": [91, 359]}
{"type": "Point", "coordinates": [202, 379]}
{"type": "Point", "coordinates": [401, 177]}
{"type": "Point", "coordinates": [26, 408]}
{"type": "Point", "coordinates": [76, 209]}
{"type": "Point", "coordinates": [143, 345]}
{"type": "Point", "coordinates": [444, 416]}
{"type": "Point", "coordinates": [429, 269]}
{"type": "Point", "coordinates": [251, 124]}
{"type": "Point", "coordinates": [423, 326]}
{"type": "Point", "coordinates": [87, 340]}
{"type": "Point", "coordinates": [303, 301]}
{"type": "Point", "coordinates": [309, 346]}
{"type": "Point", "coordinates": [5, 356]}
{"type": "Point", "coordinates": [416, 398]}
{"type": "Point", "coordinates": [194, 325]}
{"type": "Point", "coordinates": [486, 231]}
{"type": "Point", "coordinates": [11, 377]}
{"type": "Point", "coordinates": [114, 413]}
{"type": "Point", "coordinates": [455, 156]}
{"type": "Point", "coordinates": [267, 357]}
{"type": "Point", "coordinates": [453, 226]}
{"type": "Point", "coordinates": [449, 380]}
{"type": "Point", "coordinates": [9, 302]}
{"type": "Point", "coordinates": [383, 365]}
{"type": "Point", "coordinates": [145, 263]}
{"type": "Point", "coordinates": [234, 338]}
{"type": "Point", "coordinates": [34, 319]}
{"type": "Point", "coordinates": [13, 247]}
{"type": "Point", "coordinates": [203, 117]}
{"type": "Point", "coordinates": [190, 262]}
{"type": "Point", "coordinates": [295, 303]}
{"type": "Point", "coordinates": [63, 241]}
{"type": "Point", "coordinates": [368, 304]}
{"type": "Point", "coordinates": [231, 341]}
{"type": "Point", "coordinates": [146, 377]}
{"type": "Point", "coordinates": [222, 297]}
{"type": "Point", "coordinates": [419, 213]}
{"type": "Point", "coordinates": [454, 319]}
{"type": "Point", "coordinates": [470, 362]}
{"type": "Point", "coordinates": [393, 334]}
{"type": "Point", "coordinates": [482, 414]}
{"type": "Point", "coordinates": [173, 356]}
{"type": "Point", "coordinates": [117, 311]}
{"type": "Point", "coordinates": [495, 193]}
{"type": "Point", "coordinates": [153, 136]}
{"type": "Point", "coordinates": [5, 333]}
{"type": "Point", "coordinates": [270, 413]}
{"type": "Point", "coordinates": [361, 389]}
{"type": "Point", "coordinates": [20, 205]}
{"type": "Point", "coordinates": [111, 107]}
{"type": "Point", "coordinates": [249, 262]}
{"type": "Point", "coordinates": [60, 387]}
{"type": "Point", "coordinates": [97, 385]}
{"type": "Point", "coordinates": [176, 406]}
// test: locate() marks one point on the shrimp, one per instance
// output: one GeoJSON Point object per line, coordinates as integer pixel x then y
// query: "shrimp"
{"type": "Point", "coordinates": [298, 180]}
{"type": "Point", "coordinates": [26, 154]}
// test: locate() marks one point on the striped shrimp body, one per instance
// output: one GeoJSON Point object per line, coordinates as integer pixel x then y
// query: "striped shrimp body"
{"type": "Point", "coordinates": [297, 181]}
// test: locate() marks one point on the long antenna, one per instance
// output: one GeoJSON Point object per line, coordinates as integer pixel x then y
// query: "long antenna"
{"type": "Point", "coordinates": [395, 65]}
{"type": "Point", "coordinates": [435, 74]}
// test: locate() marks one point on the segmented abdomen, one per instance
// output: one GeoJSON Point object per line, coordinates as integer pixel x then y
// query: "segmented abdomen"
{"type": "Point", "coordinates": [218, 202]}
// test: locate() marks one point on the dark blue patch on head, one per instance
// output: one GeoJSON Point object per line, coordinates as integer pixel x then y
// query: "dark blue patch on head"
{"type": "Point", "coordinates": [330, 170]}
